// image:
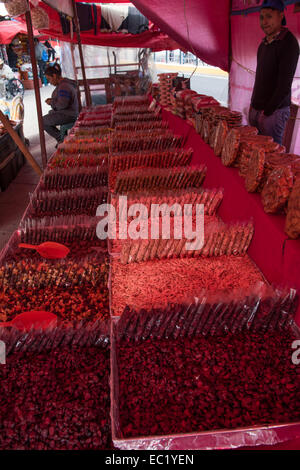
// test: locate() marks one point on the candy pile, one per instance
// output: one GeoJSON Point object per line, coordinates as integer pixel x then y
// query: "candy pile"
{"type": "Point", "coordinates": [155, 178]}
{"type": "Point", "coordinates": [173, 386]}
{"type": "Point", "coordinates": [150, 141]}
{"type": "Point", "coordinates": [209, 117]}
{"type": "Point", "coordinates": [183, 104]}
{"type": "Point", "coordinates": [292, 226]}
{"type": "Point", "coordinates": [218, 241]}
{"type": "Point", "coordinates": [156, 283]}
{"type": "Point", "coordinates": [69, 201]}
{"type": "Point", "coordinates": [62, 229]}
{"type": "Point", "coordinates": [210, 198]}
{"type": "Point", "coordinates": [74, 304]}
{"type": "Point", "coordinates": [69, 178]}
{"type": "Point", "coordinates": [55, 390]}
{"type": "Point", "coordinates": [154, 287]}
{"type": "Point", "coordinates": [165, 88]}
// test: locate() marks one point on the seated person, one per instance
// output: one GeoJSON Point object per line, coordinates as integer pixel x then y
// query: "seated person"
{"type": "Point", "coordinates": [6, 74]}
{"type": "Point", "coordinates": [64, 102]}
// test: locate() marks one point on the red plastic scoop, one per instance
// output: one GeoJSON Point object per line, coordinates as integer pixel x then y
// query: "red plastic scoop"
{"type": "Point", "coordinates": [33, 319]}
{"type": "Point", "coordinates": [50, 250]}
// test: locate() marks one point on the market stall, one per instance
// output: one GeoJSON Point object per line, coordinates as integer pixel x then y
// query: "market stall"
{"type": "Point", "coordinates": [180, 347]}
{"type": "Point", "coordinates": [15, 49]}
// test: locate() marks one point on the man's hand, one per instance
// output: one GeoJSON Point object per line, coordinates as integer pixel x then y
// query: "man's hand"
{"type": "Point", "coordinates": [48, 101]}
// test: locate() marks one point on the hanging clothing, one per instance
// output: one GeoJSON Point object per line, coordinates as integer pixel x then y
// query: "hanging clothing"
{"type": "Point", "coordinates": [87, 16]}
{"type": "Point", "coordinates": [137, 23]}
{"type": "Point", "coordinates": [113, 17]}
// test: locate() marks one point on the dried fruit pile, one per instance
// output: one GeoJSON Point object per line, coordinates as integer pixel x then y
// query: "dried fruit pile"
{"type": "Point", "coordinates": [197, 384]}
{"type": "Point", "coordinates": [71, 304]}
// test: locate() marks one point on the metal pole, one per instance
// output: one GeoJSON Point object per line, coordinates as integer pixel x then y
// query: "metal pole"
{"type": "Point", "coordinates": [77, 27]}
{"type": "Point", "coordinates": [36, 87]}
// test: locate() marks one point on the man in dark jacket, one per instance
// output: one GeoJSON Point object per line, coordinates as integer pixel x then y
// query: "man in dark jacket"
{"type": "Point", "coordinates": [277, 59]}
{"type": "Point", "coordinates": [64, 102]}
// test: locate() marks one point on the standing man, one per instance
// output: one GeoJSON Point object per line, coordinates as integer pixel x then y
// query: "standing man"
{"type": "Point", "coordinates": [51, 51]}
{"type": "Point", "coordinates": [277, 58]}
{"type": "Point", "coordinates": [41, 55]}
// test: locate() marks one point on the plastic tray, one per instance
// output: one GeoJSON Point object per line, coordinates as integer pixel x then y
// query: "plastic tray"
{"type": "Point", "coordinates": [208, 440]}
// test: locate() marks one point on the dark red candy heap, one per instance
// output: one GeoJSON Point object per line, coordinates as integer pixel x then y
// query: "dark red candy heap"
{"type": "Point", "coordinates": [197, 384]}
{"type": "Point", "coordinates": [55, 391]}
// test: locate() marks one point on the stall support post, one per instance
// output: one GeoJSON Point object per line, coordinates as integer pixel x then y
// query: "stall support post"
{"type": "Point", "coordinates": [75, 73]}
{"type": "Point", "coordinates": [229, 53]}
{"type": "Point", "coordinates": [77, 27]}
{"type": "Point", "coordinates": [18, 141]}
{"type": "Point", "coordinates": [36, 87]}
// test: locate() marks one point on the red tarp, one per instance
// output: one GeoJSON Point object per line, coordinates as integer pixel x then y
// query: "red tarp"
{"type": "Point", "coordinates": [9, 29]}
{"type": "Point", "coordinates": [202, 27]}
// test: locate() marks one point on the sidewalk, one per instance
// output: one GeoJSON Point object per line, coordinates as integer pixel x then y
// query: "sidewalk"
{"type": "Point", "coordinates": [15, 199]}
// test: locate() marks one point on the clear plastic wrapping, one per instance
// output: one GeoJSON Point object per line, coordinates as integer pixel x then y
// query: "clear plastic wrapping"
{"type": "Point", "coordinates": [135, 126]}
{"type": "Point", "coordinates": [82, 334]}
{"type": "Point", "coordinates": [160, 179]}
{"type": "Point", "coordinates": [72, 178]}
{"type": "Point", "coordinates": [276, 192]}
{"type": "Point", "coordinates": [270, 309]}
{"type": "Point", "coordinates": [135, 143]}
{"type": "Point", "coordinates": [218, 240]}
{"type": "Point", "coordinates": [76, 148]}
{"type": "Point", "coordinates": [210, 319]}
{"type": "Point", "coordinates": [211, 198]}
{"type": "Point", "coordinates": [70, 201]}
{"type": "Point", "coordinates": [61, 229]}
{"type": "Point", "coordinates": [161, 159]}
{"type": "Point", "coordinates": [77, 161]}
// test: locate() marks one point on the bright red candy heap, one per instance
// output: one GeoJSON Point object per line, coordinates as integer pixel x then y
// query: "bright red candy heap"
{"type": "Point", "coordinates": [154, 284]}
{"type": "Point", "coordinates": [77, 303]}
